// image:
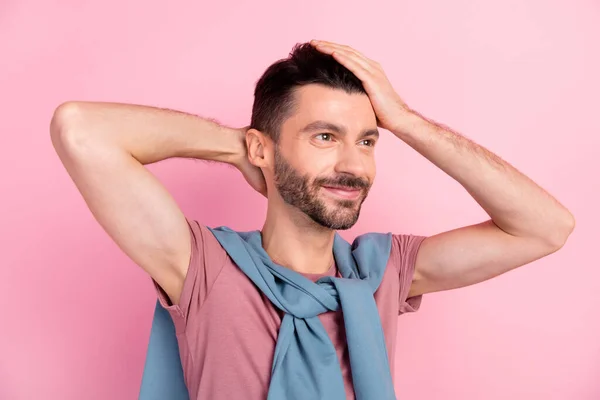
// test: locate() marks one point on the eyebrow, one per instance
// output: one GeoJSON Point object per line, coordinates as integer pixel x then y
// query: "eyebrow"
{"type": "Point", "coordinates": [328, 126]}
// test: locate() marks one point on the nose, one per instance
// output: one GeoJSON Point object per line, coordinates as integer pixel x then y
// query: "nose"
{"type": "Point", "coordinates": [351, 161]}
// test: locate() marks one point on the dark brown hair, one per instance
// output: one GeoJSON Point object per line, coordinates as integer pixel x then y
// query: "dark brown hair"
{"type": "Point", "coordinates": [274, 92]}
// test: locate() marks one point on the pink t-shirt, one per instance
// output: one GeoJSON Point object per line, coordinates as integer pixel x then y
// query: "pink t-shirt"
{"type": "Point", "coordinates": [227, 328]}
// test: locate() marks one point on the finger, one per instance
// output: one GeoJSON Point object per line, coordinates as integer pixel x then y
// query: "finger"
{"type": "Point", "coordinates": [330, 49]}
{"type": "Point", "coordinates": [370, 62]}
{"type": "Point", "coordinates": [353, 64]}
{"type": "Point", "coordinates": [364, 62]}
{"type": "Point", "coordinates": [338, 46]}
{"type": "Point", "coordinates": [348, 54]}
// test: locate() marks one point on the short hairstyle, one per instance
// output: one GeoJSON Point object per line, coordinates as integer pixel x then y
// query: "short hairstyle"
{"type": "Point", "coordinates": [275, 90]}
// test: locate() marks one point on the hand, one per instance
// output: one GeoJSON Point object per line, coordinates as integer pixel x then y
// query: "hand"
{"type": "Point", "coordinates": [253, 174]}
{"type": "Point", "coordinates": [387, 104]}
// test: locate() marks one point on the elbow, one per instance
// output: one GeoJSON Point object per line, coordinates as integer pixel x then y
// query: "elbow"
{"type": "Point", "coordinates": [66, 125]}
{"type": "Point", "coordinates": [63, 119]}
{"type": "Point", "coordinates": [561, 232]}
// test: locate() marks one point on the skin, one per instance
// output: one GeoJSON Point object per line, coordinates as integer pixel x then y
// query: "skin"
{"type": "Point", "coordinates": [526, 223]}
{"type": "Point", "coordinates": [290, 235]}
{"type": "Point", "coordinates": [104, 147]}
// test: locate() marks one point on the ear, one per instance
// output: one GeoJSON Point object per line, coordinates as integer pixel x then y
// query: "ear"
{"type": "Point", "coordinates": [259, 148]}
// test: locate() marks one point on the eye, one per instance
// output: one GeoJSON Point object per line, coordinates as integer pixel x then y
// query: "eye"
{"type": "Point", "coordinates": [326, 137]}
{"type": "Point", "coordinates": [368, 142]}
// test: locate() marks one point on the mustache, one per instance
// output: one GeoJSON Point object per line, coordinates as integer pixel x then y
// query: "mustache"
{"type": "Point", "coordinates": [347, 181]}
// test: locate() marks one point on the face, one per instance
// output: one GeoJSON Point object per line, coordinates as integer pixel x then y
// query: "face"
{"type": "Point", "coordinates": [324, 162]}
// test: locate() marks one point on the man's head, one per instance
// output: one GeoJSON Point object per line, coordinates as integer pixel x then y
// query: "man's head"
{"type": "Point", "coordinates": [312, 132]}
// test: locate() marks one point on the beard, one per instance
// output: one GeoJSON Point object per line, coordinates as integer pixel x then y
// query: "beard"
{"type": "Point", "coordinates": [303, 193]}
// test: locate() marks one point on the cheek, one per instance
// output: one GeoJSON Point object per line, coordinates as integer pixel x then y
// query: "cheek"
{"type": "Point", "coordinates": [315, 163]}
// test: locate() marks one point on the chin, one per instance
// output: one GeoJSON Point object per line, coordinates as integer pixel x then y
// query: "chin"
{"type": "Point", "coordinates": [340, 225]}
{"type": "Point", "coordinates": [342, 219]}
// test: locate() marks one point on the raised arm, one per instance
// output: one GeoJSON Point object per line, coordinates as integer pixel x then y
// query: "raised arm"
{"type": "Point", "coordinates": [104, 147]}
{"type": "Point", "coordinates": [526, 222]}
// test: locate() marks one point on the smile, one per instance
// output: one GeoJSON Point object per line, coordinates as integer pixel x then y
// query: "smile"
{"type": "Point", "coordinates": [345, 193]}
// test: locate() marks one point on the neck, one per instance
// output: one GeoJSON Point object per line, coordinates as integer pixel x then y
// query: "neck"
{"type": "Point", "coordinates": [295, 241]}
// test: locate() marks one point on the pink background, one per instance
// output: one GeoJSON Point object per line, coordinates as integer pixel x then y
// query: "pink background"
{"type": "Point", "coordinates": [519, 77]}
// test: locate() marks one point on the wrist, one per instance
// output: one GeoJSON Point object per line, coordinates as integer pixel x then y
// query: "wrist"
{"type": "Point", "coordinates": [210, 141]}
{"type": "Point", "coordinates": [237, 145]}
{"type": "Point", "coordinates": [407, 122]}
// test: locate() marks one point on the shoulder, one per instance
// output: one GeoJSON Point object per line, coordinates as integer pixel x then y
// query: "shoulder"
{"type": "Point", "coordinates": [404, 250]}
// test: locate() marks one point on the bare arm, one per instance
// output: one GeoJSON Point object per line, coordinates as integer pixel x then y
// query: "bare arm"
{"type": "Point", "coordinates": [526, 222]}
{"type": "Point", "coordinates": [104, 146]}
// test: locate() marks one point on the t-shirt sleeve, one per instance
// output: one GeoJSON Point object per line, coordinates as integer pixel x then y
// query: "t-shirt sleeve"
{"type": "Point", "coordinates": [404, 256]}
{"type": "Point", "coordinates": [206, 261]}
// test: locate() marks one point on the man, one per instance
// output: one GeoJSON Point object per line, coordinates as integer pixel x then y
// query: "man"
{"type": "Point", "coordinates": [310, 150]}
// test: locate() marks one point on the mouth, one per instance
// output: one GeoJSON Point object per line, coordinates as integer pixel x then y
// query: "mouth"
{"type": "Point", "coordinates": [343, 192]}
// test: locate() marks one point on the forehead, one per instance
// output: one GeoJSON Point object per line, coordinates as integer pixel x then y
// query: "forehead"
{"type": "Point", "coordinates": [317, 102]}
